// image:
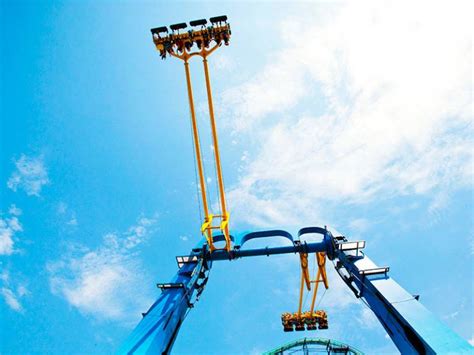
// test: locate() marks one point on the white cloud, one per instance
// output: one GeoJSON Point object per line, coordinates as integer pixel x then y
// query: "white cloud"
{"type": "Point", "coordinates": [62, 208]}
{"type": "Point", "coordinates": [367, 318]}
{"type": "Point", "coordinates": [10, 296]}
{"type": "Point", "coordinates": [30, 175]}
{"type": "Point", "coordinates": [390, 91]}
{"type": "Point", "coordinates": [65, 215]}
{"type": "Point", "coordinates": [6, 239]}
{"type": "Point", "coordinates": [438, 206]}
{"type": "Point", "coordinates": [263, 95]}
{"type": "Point", "coordinates": [105, 282]}
{"type": "Point", "coordinates": [359, 225]}
{"type": "Point", "coordinates": [222, 63]}
{"type": "Point", "coordinates": [9, 225]}
{"type": "Point", "coordinates": [338, 296]}
{"type": "Point", "coordinates": [451, 315]}
{"type": "Point", "coordinates": [11, 299]}
{"type": "Point", "coordinates": [72, 221]}
{"type": "Point", "coordinates": [22, 291]}
{"type": "Point", "coordinates": [15, 211]}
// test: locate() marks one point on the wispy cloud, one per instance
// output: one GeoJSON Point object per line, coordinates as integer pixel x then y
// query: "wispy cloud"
{"type": "Point", "coordinates": [66, 215]}
{"type": "Point", "coordinates": [105, 282]}
{"type": "Point", "coordinates": [10, 294]}
{"type": "Point", "coordinates": [222, 63]}
{"type": "Point", "coordinates": [376, 103]}
{"type": "Point", "coordinates": [10, 290]}
{"type": "Point", "coordinates": [367, 318]}
{"type": "Point", "coordinates": [359, 225]}
{"type": "Point", "coordinates": [9, 226]}
{"type": "Point", "coordinates": [30, 175]}
{"type": "Point", "coordinates": [11, 299]}
{"type": "Point", "coordinates": [252, 101]}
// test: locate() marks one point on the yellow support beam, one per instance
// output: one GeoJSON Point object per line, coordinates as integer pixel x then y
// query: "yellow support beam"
{"type": "Point", "coordinates": [305, 279]}
{"type": "Point", "coordinates": [220, 179]}
{"type": "Point", "coordinates": [180, 45]}
{"type": "Point", "coordinates": [320, 277]}
{"type": "Point", "coordinates": [197, 146]}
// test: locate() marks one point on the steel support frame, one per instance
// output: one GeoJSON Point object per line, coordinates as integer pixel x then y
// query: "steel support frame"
{"type": "Point", "coordinates": [157, 331]}
{"type": "Point", "coordinates": [329, 344]}
{"type": "Point", "coordinates": [412, 327]}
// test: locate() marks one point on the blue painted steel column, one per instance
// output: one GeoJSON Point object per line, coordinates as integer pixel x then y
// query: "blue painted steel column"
{"type": "Point", "coordinates": [412, 327]}
{"type": "Point", "coordinates": [156, 332]}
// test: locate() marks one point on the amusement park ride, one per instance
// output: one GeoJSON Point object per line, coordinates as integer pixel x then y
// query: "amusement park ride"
{"type": "Point", "coordinates": [412, 328]}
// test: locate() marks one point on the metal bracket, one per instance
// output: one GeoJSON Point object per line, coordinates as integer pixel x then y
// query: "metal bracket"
{"type": "Point", "coordinates": [167, 286]}
{"type": "Point", "coordinates": [356, 245]}
{"type": "Point", "coordinates": [375, 271]}
{"type": "Point", "coordinates": [186, 259]}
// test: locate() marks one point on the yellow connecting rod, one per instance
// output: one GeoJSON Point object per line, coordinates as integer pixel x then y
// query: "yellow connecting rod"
{"type": "Point", "coordinates": [207, 227]}
{"type": "Point", "coordinates": [305, 279]}
{"type": "Point", "coordinates": [180, 45]}
{"type": "Point", "coordinates": [224, 214]}
{"type": "Point", "coordinates": [320, 277]}
{"type": "Point", "coordinates": [197, 146]}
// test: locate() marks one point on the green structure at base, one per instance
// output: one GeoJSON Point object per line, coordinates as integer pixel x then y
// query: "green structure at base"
{"type": "Point", "coordinates": [309, 345]}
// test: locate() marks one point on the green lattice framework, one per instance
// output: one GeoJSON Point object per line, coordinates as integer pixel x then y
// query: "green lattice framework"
{"type": "Point", "coordinates": [332, 346]}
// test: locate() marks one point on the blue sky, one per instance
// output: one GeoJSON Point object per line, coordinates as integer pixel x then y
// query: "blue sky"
{"type": "Point", "coordinates": [357, 117]}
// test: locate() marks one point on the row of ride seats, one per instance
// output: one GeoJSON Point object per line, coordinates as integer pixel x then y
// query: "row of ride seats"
{"type": "Point", "coordinates": [317, 320]}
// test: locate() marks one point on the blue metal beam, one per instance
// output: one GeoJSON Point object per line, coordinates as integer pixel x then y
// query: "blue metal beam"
{"type": "Point", "coordinates": [243, 253]}
{"type": "Point", "coordinates": [157, 331]}
{"type": "Point", "coordinates": [298, 246]}
{"type": "Point", "coordinates": [410, 325]}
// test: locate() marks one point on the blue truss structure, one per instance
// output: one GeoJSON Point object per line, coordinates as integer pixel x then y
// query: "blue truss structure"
{"type": "Point", "coordinates": [412, 327]}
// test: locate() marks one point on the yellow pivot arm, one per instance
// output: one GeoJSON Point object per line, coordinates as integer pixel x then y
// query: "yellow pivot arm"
{"type": "Point", "coordinates": [180, 45]}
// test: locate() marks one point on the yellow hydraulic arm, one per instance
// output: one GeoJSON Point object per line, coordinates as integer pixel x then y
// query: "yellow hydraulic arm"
{"type": "Point", "coordinates": [311, 319]}
{"type": "Point", "coordinates": [202, 41]}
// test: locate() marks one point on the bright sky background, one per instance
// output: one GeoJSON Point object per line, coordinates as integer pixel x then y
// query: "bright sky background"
{"type": "Point", "coordinates": [357, 116]}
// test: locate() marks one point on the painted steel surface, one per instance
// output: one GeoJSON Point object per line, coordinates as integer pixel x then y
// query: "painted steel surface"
{"type": "Point", "coordinates": [412, 327]}
{"type": "Point", "coordinates": [185, 45]}
{"type": "Point", "coordinates": [156, 332]}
